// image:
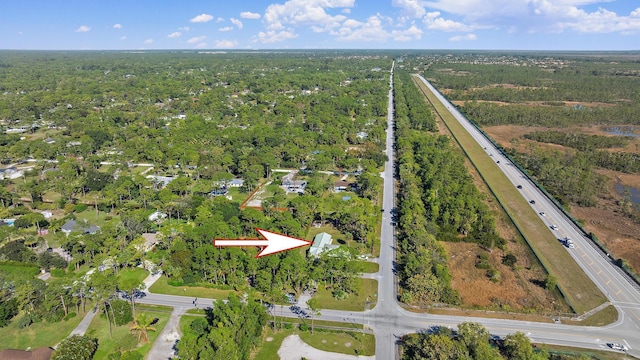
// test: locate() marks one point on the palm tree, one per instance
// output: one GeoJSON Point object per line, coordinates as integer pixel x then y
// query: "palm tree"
{"type": "Point", "coordinates": [142, 326]}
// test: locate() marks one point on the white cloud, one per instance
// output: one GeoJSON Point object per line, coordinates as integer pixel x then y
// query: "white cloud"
{"type": "Point", "coordinates": [539, 15]}
{"type": "Point", "coordinates": [346, 11]}
{"type": "Point", "coordinates": [373, 30]}
{"type": "Point", "coordinates": [174, 35]}
{"type": "Point", "coordinates": [272, 36]}
{"type": "Point", "coordinates": [202, 18]}
{"type": "Point", "coordinates": [184, 28]}
{"type": "Point", "coordinates": [433, 21]}
{"type": "Point", "coordinates": [236, 22]}
{"type": "Point", "coordinates": [117, 26]}
{"type": "Point", "coordinates": [225, 44]}
{"type": "Point", "coordinates": [305, 13]}
{"type": "Point", "coordinates": [219, 19]}
{"type": "Point", "coordinates": [123, 37]}
{"type": "Point", "coordinates": [202, 45]}
{"type": "Point", "coordinates": [226, 28]}
{"type": "Point", "coordinates": [249, 15]}
{"type": "Point", "coordinates": [468, 37]}
{"type": "Point", "coordinates": [196, 39]}
{"type": "Point", "coordinates": [410, 8]}
{"type": "Point", "coordinates": [148, 41]}
{"type": "Point", "coordinates": [412, 33]}
{"type": "Point", "coordinates": [83, 28]}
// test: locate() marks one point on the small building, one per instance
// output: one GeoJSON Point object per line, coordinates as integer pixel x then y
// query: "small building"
{"type": "Point", "coordinates": [49, 141]}
{"type": "Point", "coordinates": [321, 243]}
{"type": "Point", "coordinates": [157, 216]}
{"type": "Point", "coordinates": [160, 181]}
{"type": "Point", "coordinates": [219, 191]}
{"type": "Point", "coordinates": [340, 186]}
{"type": "Point", "coordinates": [47, 214]}
{"type": "Point", "coordinates": [150, 240]}
{"type": "Point", "coordinates": [236, 182]}
{"type": "Point", "coordinates": [83, 227]}
{"type": "Point", "coordinates": [10, 173]}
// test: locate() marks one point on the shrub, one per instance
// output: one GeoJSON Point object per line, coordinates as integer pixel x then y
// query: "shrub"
{"type": "Point", "coordinates": [340, 295]}
{"type": "Point", "coordinates": [304, 327]}
{"type": "Point", "coordinates": [25, 321]}
{"type": "Point", "coordinates": [132, 355]}
{"type": "Point", "coordinates": [68, 208]}
{"type": "Point", "coordinates": [509, 260]}
{"type": "Point", "coordinates": [80, 208]}
{"type": "Point", "coordinates": [58, 272]}
{"type": "Point", "coordinates": [70, 315]}
{"type": "Point", "coordinates": [122, 312]}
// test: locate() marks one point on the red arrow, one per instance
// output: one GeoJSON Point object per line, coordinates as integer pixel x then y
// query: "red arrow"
{"type": "Point", "coordinates": [272, 243]}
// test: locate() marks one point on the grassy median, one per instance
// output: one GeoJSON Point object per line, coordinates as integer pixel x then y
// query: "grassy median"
{"type": "Point", "coordinates": [579, 291]}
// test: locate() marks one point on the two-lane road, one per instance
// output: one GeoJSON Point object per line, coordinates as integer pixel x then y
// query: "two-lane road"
{"type": "Point", "coordinates": [389, 321]}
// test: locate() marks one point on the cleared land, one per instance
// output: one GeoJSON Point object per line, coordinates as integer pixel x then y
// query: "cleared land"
{"type": "Point", "coordinates": [577, 288]}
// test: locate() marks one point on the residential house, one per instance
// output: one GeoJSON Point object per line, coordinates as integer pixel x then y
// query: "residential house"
{"type": "Point", "coordinates": [150, 240]}
{"type": "Point", "coordinates": [321, 243]}
{"type": "Point", "coordinates": [157, 216]}
{"type": "Point", "coordinates": [10, 173]}
{"type": "Point", "coordinates": [340, 186]}
{"type": "Point", "coordinates": [160, 181]}
{"type": "Point", "coordinates": [82, 226]}
{"type": "Point", "coordinates": [236, 182]}
{"type": "Point", "coordinates": [290, 185]}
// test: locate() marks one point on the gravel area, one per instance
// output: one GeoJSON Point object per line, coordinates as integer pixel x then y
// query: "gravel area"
{"type": "Point", "coordinates": [293, 348]}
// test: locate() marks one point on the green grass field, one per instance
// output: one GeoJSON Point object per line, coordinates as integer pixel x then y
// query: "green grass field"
{"type": "Point", "coordinates": [162, 287]}
{"type": "Point", "coordinates": [38, 335]}
{"type": "Point", "coordinates": [350, 343]}
{"type": "Point", "coordinates": [368, 293]}
{"type": "Point", "coordinates": [369, 267]}
{"type": "Point", "coordinates": [136, 273]}
{"type": "Point", "coordinates": [99, 329]}
{"type": "Point", "coordinates": [579, 291]}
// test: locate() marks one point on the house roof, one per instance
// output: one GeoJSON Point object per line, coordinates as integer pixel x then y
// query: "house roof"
{"type": "Point", "coordinates": [43, 353]}
{"type": "Point", "coordinates": [320, 241]}
{"type": "Point", "coordinates": [341, 183]}
{"type": "Point", "coordinates": [73, 225]}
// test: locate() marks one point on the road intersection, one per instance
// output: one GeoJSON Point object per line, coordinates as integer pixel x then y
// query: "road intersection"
{"type": "Point", "coordinates": [389, 321]}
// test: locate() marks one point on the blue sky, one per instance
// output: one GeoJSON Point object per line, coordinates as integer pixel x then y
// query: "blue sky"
{"type": "Point", "coordinates": [313, 24]}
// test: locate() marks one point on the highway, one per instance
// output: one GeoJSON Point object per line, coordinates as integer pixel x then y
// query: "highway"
{"type": "Point", "coordinates": [389, 321]}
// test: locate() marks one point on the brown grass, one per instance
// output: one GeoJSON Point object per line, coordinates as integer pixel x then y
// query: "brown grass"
{"type": "Point", "coordinates": [517, 290]}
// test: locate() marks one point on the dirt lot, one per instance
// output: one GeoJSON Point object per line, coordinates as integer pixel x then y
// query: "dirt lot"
{"type": "Point", "coordinates": [618, 232]}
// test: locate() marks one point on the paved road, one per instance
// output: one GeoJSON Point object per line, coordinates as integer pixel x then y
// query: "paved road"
{"type": "Point", "coordinates": [389, 321]}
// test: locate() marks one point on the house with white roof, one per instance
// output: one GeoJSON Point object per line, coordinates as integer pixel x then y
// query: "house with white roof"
{"type": "Point", "coordinates": [321, 243]}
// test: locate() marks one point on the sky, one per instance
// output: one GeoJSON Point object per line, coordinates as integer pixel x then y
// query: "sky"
{"type": "Point", "coordinates": [320, 24]}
